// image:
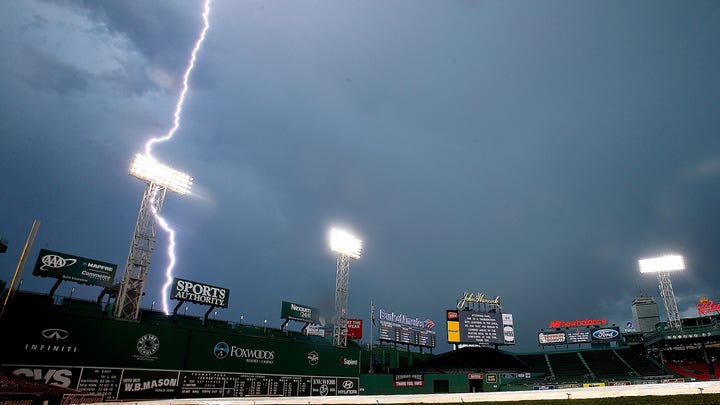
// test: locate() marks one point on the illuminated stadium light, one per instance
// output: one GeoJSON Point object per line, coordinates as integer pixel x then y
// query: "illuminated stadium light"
{"type": "Point", "coordinates": [662, 266]}
{"type": "Point", "coordinates": [344, 243]}
{"type": "Point", "coordinates": [159, 180]}
{"type": "Point", "coordinates": [662, 263]}
{"type": "Point", "coordinates": [347, 247]}
{"type": "Point", "coordinates": [148, 169]}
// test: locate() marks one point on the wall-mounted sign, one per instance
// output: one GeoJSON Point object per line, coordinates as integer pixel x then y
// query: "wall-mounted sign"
{"type": "Point", "coordinates": [301, 313]}
{"type": "Point", "coordinates": [199, 293]}
{"type": "Point", "coordinates": [74, 268]}
{"type": "Point", "coordinates": [409, 380]}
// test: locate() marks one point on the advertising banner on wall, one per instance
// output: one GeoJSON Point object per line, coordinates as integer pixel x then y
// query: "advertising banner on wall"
{"type": "Point", "coordinates": [199, 293]}
{"type": "Point", "coordinates": [301, 313]}
{"type": "Point", "coordinates": [74, 268]}
{"type": "Point", "coordinates": [480, 327]}
{"type": "Point", "coordinates": [354, 328]}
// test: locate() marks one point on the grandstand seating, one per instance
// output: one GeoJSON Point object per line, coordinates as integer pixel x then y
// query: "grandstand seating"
{"type": "Point", "coordinates": [639, 363]}
{"type": "Point", "coordinates": [606, 363]}
{"type": "Point", "coordinates": [692, 369]}
{"type": "Point", "coordinates": [568, 365]}
{"type": "Point", "coordinates": [535, 362]}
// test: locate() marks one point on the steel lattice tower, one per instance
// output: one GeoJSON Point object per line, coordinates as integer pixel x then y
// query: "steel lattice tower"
{"type": "Point", "coordinates": [127, 305]}
{"type": "Point", "coordinates": [347, 247]}
{"type": "Point", "coordinates": [668, 296]}
{"type": "Point", "coordinates": [342, 279]}
{"type": "Point", "coordinates": [159, 179]}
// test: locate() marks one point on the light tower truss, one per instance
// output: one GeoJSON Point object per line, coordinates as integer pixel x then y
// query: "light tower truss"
{"type": "Point", "coordinates": [663, 265]}
{"type": "Point", "coordinates": [127, 305]}
{"type": "Point", "coordinates": [342, 280]}
{"type": "Point", "coordinates": [159, 179]}
{"type": "Point", "coordinates": [668, 296]}
{"type": "Point", "coordinates": [347, 247]}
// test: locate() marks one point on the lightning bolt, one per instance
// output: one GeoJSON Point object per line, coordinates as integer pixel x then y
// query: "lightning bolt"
{"type": "Point", "coordinates": [176, 125]}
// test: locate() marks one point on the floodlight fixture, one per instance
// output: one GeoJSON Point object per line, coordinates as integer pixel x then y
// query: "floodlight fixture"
{"type": "Point", "coordinates": [150, 170]}
{"type": "Point", "coordinates": [662, 263]}
{"type": "Point", "coordinates": [662, 266]}
{"type": "Point", "coordinates": [345, 243]}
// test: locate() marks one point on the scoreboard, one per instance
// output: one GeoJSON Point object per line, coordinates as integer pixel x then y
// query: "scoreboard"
{"type": "Point", "coordinates": [399, 333]}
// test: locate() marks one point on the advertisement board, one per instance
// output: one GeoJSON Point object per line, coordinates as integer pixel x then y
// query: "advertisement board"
{"type": "Point", "coordinates": [301, 313]}
{"type": "Point", "coordinates": [399, 328]}
{"type": "Point", "coordinates": [199, 293]}
{"type": "Point", "coordinates": [579, 336]}
{"type": "Point", "coordinates": [354, 328]}
{"type": "Point", "coordinates": [551, 338]}
{"type": "Point", "coordinates": [74, 268]}
{"type": "Point", "coordinates": [609, 334]}
{"type": "Point", "coordinates": [480, 327]}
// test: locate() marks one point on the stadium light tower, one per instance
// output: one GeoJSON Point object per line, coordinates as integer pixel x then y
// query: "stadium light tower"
{"type": "Point", "coordinates": [663, 265]}
{"type": "Point", "coordinates": [159, 179]}
{"type": "Point", "coordinates": [347, 247]}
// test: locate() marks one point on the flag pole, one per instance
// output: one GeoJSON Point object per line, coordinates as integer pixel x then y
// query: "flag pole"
{"type": "Point", "coordinates": [372, 326]}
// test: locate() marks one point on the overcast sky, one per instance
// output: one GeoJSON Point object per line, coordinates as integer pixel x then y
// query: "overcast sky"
{"type": "Point", "coordinates": [528, 149]}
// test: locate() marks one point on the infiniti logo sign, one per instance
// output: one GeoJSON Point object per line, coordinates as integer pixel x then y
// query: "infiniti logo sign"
{"type": "Point", "coordinates": [55, 334]}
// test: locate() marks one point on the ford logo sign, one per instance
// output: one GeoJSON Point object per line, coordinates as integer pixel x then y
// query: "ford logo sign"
{"type": "Point", "coordinates": [605, 334]}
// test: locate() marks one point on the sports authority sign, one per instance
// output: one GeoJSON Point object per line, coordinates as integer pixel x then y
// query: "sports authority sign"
{"type": "Point", "coordinates": [198, 293]}
{"type": "Point", "coordinates": [74, 268]}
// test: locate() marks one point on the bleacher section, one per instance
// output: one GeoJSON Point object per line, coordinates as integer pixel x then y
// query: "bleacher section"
{"type": "Point", "coordinates": [537, 363]}
{"type": "Point", "coordinates": [597, 364]}
{"type": "Point", "coordinates": [697, 370]}
{"type": "Point", "coordinates": [607, 364]}
{"type": "Point", "coordinates": [569, 366]}
{"type": "Point", "coordinates": [639, 363]}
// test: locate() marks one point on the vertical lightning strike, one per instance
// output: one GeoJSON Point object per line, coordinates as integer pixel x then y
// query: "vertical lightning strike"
{"type": "Point", "coordinates": [148, 152]}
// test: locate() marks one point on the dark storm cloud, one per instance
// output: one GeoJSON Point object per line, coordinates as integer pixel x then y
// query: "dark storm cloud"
{"type": "Point", "coordinates": [529, 150]}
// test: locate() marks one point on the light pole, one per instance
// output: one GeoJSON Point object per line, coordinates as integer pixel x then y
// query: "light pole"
{"type": "Point", "coordinates": [159, 179]}
{"type": "Point", "coordinates": [663, 265]}
{"type": "Point", "coordinates": [347, 247]}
